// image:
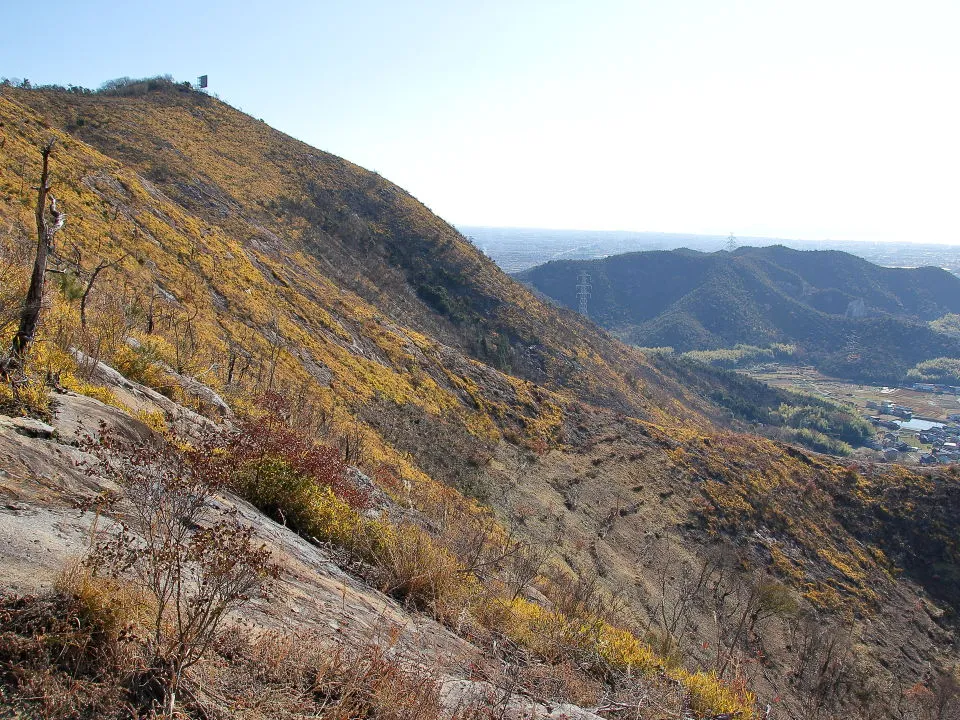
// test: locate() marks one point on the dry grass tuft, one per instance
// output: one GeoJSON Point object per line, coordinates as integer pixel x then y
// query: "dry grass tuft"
{"type": "Point", "coordinates": [281, 675]}
{"type": "Point", "coordinates": [67, 655]}
{"type": "Point", "coordinates": [117, 605]}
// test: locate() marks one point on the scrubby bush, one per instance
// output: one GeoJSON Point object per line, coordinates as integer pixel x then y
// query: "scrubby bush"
{"type": "Point", "coordinates": [293, 479]}
{"type": "Point", "coordinates": [815, 440]}
{"type": "Point", "coordinates": [24, 395]}
{"type": "Point", "coordinates": [297, 500]}
{"type": "Point", "coordinates": [415, 567]}
{"type": "Point", "coordinates": [194, 570]}
{"type": "Point", "coordinates": [141, 359]}
{"type": "Point", "coordinates": [66, 654]}
{"type": "Point", "coordinates": [264, 444]}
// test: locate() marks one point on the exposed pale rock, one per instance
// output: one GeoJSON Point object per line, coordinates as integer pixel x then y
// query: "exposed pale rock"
{"type": "Point", "coordinates": [457, 695]}
{"type": "Point", "coordinates": [31, 427]}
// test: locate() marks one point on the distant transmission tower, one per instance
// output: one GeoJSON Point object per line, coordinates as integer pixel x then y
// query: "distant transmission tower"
{"type": "Point", "coordinates": [731, 243]}
{"type": "Point", "coordinates": [583, 291]}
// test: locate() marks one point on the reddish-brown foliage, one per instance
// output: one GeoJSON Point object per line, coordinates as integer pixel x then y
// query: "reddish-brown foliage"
{"type": "Point", "coordinates": [269, 436]}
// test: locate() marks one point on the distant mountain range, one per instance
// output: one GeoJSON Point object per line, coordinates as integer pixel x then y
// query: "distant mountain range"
{"type": "Point", "coordinates": [519, 249]}
{"type": "Point", "coordinates": [846, 315]}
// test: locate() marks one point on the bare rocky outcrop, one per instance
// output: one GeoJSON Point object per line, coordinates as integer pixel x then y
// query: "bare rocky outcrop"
{"type": "Point", "coordinates": [43, 475]}
{"type": "Point", "coordinates": [140, 397]}
{"type": "Point", "coordinates": [456, 694]}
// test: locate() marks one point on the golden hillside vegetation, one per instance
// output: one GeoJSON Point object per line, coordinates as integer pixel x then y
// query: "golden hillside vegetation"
{"type": "Point", "coordinates": [668, 555]}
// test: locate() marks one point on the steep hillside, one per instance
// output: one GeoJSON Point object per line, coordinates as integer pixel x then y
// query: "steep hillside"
{"type": "Point", "coordinates": [650, 562]}
{"type": "Point", "coordinates": [847, 315]}
{"type": "Point", "coordinates": [291, 267]}
{"type": "Point", "coordinates": [338, 221]}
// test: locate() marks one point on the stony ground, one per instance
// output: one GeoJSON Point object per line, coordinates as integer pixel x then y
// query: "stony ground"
{"type": "Point", "coordinates": [43, 475]}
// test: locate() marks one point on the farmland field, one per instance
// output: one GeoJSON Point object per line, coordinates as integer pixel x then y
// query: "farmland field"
{"type": "Point", "coordinates": [926, 405]}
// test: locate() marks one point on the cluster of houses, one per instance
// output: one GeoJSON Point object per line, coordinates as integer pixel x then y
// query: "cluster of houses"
{"type": "Point", "coordinates": [892, 446]}
{"type": "Point", "coordinates": [934, 388]}
{"type": "Point", "coordinates": [945, 441]}
{"type": "Point", "coordinates": [889, 408]}
{"type": "Point", "coordinates": [888, 443]}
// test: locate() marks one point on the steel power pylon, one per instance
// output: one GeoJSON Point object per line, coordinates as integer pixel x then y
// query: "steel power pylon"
{"type": "Point", "coordinates": [583, 291]}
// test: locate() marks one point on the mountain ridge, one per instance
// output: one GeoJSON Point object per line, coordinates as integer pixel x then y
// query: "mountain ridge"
{"type": "Point", "coordinates": [817, 300]}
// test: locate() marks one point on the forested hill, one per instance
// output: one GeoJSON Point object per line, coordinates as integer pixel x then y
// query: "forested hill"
{"type": "Point", "coordinates": [844, 313]}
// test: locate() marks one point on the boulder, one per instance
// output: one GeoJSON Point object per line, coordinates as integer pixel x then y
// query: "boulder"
{"type": "Point", "coordinates": [457, 696]}
{"type": "Point", "coordinates": [31, 427]}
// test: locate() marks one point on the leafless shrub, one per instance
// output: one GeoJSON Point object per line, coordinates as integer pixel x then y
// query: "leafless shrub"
{"type": "Point", "coordinates": [353, 445]}
{"type": "Point", "coordinates": [525, 566]}
{"type": "Point", "coordinates": [822, 664]}
{"type": "Point", "coordinates": [680, 586]}
{"type": "Point", "coordinates": [936, 696]}
{"type": "Point", "coordinates": [739, 604]}
{"type": "Point", "coordinates": [101, 339]}
{"type": "Point", "coordinates": [576, 596]}
{"type": "Point", "coordinates": [480, 543]}
{"type": "Point", "coordinates": [936, 699]}
{"type": "Point", "coordinates": [194, 571]}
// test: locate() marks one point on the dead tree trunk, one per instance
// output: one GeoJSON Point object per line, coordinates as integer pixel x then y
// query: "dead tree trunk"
{"type": "Point", "coordinates": [101, 266]}
{"type": "Point", "coordinates": [46, 229]}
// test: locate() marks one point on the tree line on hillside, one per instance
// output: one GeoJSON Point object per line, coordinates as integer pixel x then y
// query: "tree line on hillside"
{"type": "Point", "coordinates": [122, 86]}
{"type": "Point", "coordinates": [786, 415]}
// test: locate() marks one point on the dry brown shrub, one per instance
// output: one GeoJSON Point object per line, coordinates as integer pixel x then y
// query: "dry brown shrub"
{"type": "Point", "coordinates": [279, 675]}
{"type": "Point", "coordinates": [67, 655]}
{"type": "Point", "coordinates": [417, 569]}
{"type": "Point", "coordinates": [116, 603]}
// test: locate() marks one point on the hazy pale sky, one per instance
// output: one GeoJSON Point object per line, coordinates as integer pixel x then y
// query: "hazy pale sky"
{"type": "Point", "coordinates": [805, 119]}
